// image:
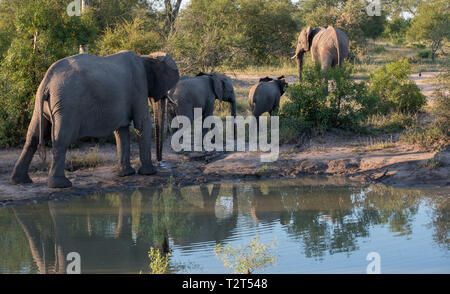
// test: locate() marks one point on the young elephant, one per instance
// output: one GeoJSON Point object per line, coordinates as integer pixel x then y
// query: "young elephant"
{"type": "Point", "coordinates": [91, 96]}
{"type": "Point", "coordinates": [265, 96]}
{"type": "Point", "coordinates": [201, 91]}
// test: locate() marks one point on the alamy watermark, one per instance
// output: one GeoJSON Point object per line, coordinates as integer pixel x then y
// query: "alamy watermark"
{"type": "Point", "coordinates": [373, 7]}
{"type": "Point", "coordinates": [258, 135]}
{"type": "Point", "coordinates": [74, 8]}
{"type": "Point", "coordinates": [74, 266]}
{"type": "Point", "coordinates": [374, 267]}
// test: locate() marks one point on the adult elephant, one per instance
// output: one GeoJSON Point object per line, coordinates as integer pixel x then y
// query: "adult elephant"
{"type": "Point", "coordinates": [201, 91]}
{"type": "Point", "coordinates": [92, 96]}
{"type": "Point", "coordinates": [328, 45]}
{"type": "Point", "coordinates": [265, 96]}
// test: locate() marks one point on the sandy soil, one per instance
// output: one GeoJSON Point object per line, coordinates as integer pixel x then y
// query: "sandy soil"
{"type": "Point", "coordinates": [340, 160]}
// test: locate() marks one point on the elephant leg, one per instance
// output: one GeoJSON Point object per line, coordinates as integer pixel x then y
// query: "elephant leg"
{"type": "Point", "coordinates": [57, 178]}
{"type": "Point", "coordinates": [123, 152]}
{"type": "Point", "coordinates": [20, 172]}
{"type": "Point", "coordinates": [144, 139]}
{"type": "Point", "coordinates": [61, 141]}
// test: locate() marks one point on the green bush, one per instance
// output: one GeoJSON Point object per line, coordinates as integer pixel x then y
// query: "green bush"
{"type": "Point", "coordinates": [435, 135]}
{"type": "Point", "coordinates": [396, 92]}
{"type": "Point", "coordinates": [346, 105]}
{"type": "Point", "coordinates": [42, 34]}
{"type": "Point", "coordinates": [424, 54]}
{"type": "Point", "coordinates": [379, 49]}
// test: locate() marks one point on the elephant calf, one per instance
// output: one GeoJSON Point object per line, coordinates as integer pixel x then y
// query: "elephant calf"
{"type": "Point", "coordinates": [91, 96]}
{"type": "Point", "coordinates": [265, 96]}
{"type": "Point", "coordinates": [201, 91]}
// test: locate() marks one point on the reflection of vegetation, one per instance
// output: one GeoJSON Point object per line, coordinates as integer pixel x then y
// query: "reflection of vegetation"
{"type": "Point", "coordinates": [118, 228]}
{"type": "Point", "coordinates": [247, 258]}
{"type": "Point", "coordinates": [441, 222]}
{"type": "Point", "coordinates": [15, 253]}
{"type": "Point", "coordinates": [159, 263]}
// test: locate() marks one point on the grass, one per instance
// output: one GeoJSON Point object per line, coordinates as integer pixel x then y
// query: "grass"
{"type": "Point", "coordinates": [431, 137]}
{"type": "Point", "coordinates": [373, 144]}
{"type": "Point", "coordinates": [391, 123]}
{"type": "Point", "coordinates": [433, 163]}
{"type": "Point", "coordinates": [382, 52]}
{"type": "Point", "coordinates": [78, 160]}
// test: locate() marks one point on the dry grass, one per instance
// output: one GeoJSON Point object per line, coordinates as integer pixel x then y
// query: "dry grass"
{"type": "Point", "coordinates": [78, 160]}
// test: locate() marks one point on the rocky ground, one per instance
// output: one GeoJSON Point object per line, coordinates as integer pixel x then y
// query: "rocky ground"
{"type": "Point", "coordinates": [337, 159]}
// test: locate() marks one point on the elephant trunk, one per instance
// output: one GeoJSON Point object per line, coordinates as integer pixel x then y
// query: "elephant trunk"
{"type": "Point", "coordinates": [233, 108]}
{"type": "Point", "coordinates": [300, 65]}
{"type": "Point", "coordinates": [159, 116]}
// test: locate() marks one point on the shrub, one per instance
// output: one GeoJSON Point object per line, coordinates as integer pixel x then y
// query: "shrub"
{"type": "Point", "coordinates": [347, 103]}
{"type": "Point", "coordinates": [396, 92]}
{"type": "Point", "coordinates": [436, 135]}
{"type": "Point", "coordinates": [135, 35]}
{"type": "Point", "coordinates": [390, 123]}
{"type": "Point", "coordinates": [379, 49]}
{"type": "Point", "coordinates": [247, 258]}
{"type": "Point", "coordinates": [159, 263]}
{"type": "Point", "coordinates": [424, 54]}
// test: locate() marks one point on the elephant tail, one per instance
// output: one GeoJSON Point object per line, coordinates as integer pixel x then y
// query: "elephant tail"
{"type": "Point", "coordinates": [41, 96]}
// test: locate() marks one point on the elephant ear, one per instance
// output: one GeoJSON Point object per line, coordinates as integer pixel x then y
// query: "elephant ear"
{"type": "Point", "coordinates": [218, 85]}
{"type": "Point", "coordinates": [308, 39]}
{"type": "Point", "coordinates": [162, 74]}
{"type": "Point", "coordinates": [266, 79]}
{"type": "Point", "coordinates": [282, 84]}
{"type": "Point", "coordinates": [202, 74]}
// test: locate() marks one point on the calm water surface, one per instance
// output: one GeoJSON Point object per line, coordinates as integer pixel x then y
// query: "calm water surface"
{"type": "Point", "coordinates": [318, 229]}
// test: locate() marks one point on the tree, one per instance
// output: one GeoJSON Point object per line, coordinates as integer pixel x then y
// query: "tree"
{"type": "Point", "coordinates": [233, 33]}
{"type": "Point", "coordinates": [172, 10]}
{"type": "Point", "coordinates": [137, 35]}
{"type": "Point", "coordinates": [349, 16]}
{"type": "Point", "coordinates": [268, 29]}
{"type": "Point", "coordinates": [205, 35]}
{"type": "Point", "coordinates": [431, 23]}
{"type": "Point", "coordinates": [42, 33]}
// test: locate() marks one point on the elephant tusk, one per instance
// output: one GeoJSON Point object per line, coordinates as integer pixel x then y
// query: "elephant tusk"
{"type": "Point", "coordinates": [293, 57]}
{"type": "Point", "coordinates": [171, 100]}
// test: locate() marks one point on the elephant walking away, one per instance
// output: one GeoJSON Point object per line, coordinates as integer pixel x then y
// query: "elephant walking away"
{"type": "Point", "coordinates": [328, 45]}
{"type": "Point", "coordinates": [201, 91]}
{"type": "Point", "coordinates": [265, 96]}
{"type": "Point", "coordinates": [91, 96]}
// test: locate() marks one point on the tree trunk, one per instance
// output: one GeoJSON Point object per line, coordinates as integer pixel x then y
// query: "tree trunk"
{"type": "Point", "coordinates": [172, 12]}
{"type": "Point", "coordinates": [84, 49]}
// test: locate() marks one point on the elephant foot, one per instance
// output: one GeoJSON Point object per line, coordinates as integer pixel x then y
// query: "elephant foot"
{"type": "Point", "coordinates": [20, 179]}
{"type": "Point", "coordinates": [125, 172]}
{"type": "Point", "coordinates": [147, 170]}
{"type": "Point", "coordinates": [59, 182]}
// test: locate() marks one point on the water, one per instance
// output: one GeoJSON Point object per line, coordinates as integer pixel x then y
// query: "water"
{"type": "Point", "coordinates": [316, 229]}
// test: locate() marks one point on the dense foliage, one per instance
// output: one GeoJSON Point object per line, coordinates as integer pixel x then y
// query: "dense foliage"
{"type": "Point", "coordinates": [397, 93]}
{"type": "Point", "coordinates": [347, 104]}
{"type": "Point", "coordinates": [201, 35]}
{"type": "Point", "coordinates": [431, 24]}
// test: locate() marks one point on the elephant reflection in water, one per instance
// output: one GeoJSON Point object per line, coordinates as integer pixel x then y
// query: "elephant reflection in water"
{"type": "Point", "coordinates": [55, 229]}
{"type": "Point", "coordinates": [113, 232]}
{"type": "Point", "coordinates": [201, 220]}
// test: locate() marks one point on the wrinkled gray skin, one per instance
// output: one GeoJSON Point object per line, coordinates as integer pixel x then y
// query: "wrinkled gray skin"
{"type": "Point", "coordinates": [201, 92]}
{"type": "Point", "coordinates": [265, 96]}
{"type": "Point", "coordinates": [90, 96]}
{"type": "Point", "coordinates": [328, 46]}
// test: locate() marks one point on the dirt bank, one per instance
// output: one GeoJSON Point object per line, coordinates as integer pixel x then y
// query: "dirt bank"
{"type": "Point", "coordinates": [341, 160]}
